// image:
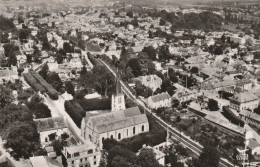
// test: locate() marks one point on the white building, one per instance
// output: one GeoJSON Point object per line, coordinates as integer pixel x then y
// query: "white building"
{"type": "Point", "coordinates": [160, 100]}
{"type": "Point", "coordinates": [47, 126]}
{"type": "Point", "coordinates": [81, 156]}
{"type": "Point", "coordinates": [152, 81]}
{"type": "Point", "coordinates": [244, 100]}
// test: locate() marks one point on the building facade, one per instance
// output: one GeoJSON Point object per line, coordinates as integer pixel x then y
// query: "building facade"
{"type": "Point", "coordinates": [86, 155]}
{"type": "Point", "coordinates": [160, 100]}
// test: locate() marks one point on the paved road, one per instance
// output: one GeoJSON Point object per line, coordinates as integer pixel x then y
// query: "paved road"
{"type": "Point", "coordinates": [185, 140]}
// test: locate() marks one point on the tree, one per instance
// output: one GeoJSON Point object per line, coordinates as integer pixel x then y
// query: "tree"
{"type": "Point", "coordinates": [130, 14]}
{"type": "Point", "coordinates": [213, 105]}
{"type": "Point", "coordinates": [67, 47]}
{"type": "Point", "coordinates": [20, 70]}
{"type": "Point", "coordinates": [209, 157]}
{"type": "Point", "coordinates": [162, 22]}
{"type": "Point", "coordinates": [57, 146]}
{"type": "Point", "coordinates": [257, 110]}
{"type": "Point", "coordinates": [22, 138]}
{"type": "Point", "coordinates": [151, 52]}
{"type": "Point", "coordinates": [38, 108]}
{"type": "Point", "coordinates": [6, 96]}
{"type": "Point", "coordinates": [23, 34]}
{"type": "Point", "coordinates": [218, 51]}
{"type": "Point", "coordinates": [12, 60]}
{"type": "Point", "coordinates": [146, 158]}
{"type": "Point", "coordinates": [194, 70]}
{"type": "Point", "coordinates": [104, 81]}
{"type": "Point", "coordinates": [4, 38]}
{"type": "Point", "coordinates": [69, 87]}
{"type": "Point", "coordinates": [54, 80]}
{"type": "Point", "coordinates": [164, 53]}
{"type": "Point", "coordinates": [59, 58]}
{"type": "Point", "coordinates": [44, 71]}
{"type": "Point", "coordinates": [135, 65]}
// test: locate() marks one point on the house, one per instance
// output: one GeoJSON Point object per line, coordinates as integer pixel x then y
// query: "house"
{"type": "Point", "coordinates": [250, 117]}
{"type": "Point", "coordinates": [183, 96]}
{"type": "Point", "coordinates": [21, 59]}
{"type": "Point", "coordinates": [237, 39]}
{"type": "Point", "coordinates": [81, 155]}
{"type": "Point", "coordinates": [8, 74]}
{"type": "Point", "coordinates": [244, 100]}
{"type": "Point", "coordinates": [160, 100]}
{"type": "Point", "coordinates": [254, 146]}
{"type": "Point", "coordinates": [152, 81]}
{"type": "Point", "coordinates": [119, 123]}
{"type": "Point", "coordinates": [39, 161]}
{"type": "Point", "coordinates": [47, 126]}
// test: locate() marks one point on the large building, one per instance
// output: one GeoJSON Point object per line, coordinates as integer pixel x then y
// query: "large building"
{"type": "Point", "coordinates": [119, 123]}
{"type": "Point", "coordinates": [244, 100]}
{"type": "Point", "coordinates": [152, 81]}
{"type": "Point", "coordinates": [86, 155]}
{"type": "Point", "coordinates": [160, 100]}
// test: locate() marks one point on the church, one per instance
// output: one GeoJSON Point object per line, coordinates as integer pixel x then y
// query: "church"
{"type": "Point", "coordinates": [119, 123]}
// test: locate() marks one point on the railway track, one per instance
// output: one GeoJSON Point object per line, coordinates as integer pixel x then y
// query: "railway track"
{"type": "Point", "coordinates": [175, 134]}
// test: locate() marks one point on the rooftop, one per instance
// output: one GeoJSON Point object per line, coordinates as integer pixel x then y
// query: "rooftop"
{"type": "Point", "coordinates": [46, 124]}
{"type": "Point", "coordinates": [160, 97]}
{"type": "Point", "coordinates": [39, 161]}
{"type": "Point", "coordinates": [245, 96]}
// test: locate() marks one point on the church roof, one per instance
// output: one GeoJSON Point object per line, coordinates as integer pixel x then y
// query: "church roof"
{"type": "Point", "coordinates": [120, 124]}
{"type": "Point", "coordinates": [116, 120]}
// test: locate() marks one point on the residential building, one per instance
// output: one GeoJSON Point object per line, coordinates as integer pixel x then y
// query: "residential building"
{"type": "Point", "coordinates": [85, 155]}
{"type": "Point", "coordinates": [250, 117]}
{"type": "Point", "coordinates": [160, 100]}
{"type": "Point", "coordinates": [8, 74]}
{"type": "Point", "coordinates": [244, 100]}
{"type": "Point", "coordinates": [152, 81]}
{"type": "Point", "coordinates": [47, 126]}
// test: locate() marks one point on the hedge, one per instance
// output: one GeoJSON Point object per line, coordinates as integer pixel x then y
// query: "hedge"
{"type": "Point", "coordinates": [73, 112]}
{"type": "Point", "coordinates": [232, 117]}
{"type": "Point", "coordinates": [34, 83]}
{"type": "Point", "coordinates": [95, 104]}
{"type": "Point", "coordinates": [53, 94]}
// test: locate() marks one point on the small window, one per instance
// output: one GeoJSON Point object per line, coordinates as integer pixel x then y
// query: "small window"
{"type": "Point", "coordinates": [126, 132]}
{"type": "Point", "coordinates": [90, 151]}
{"type": "Point", "coordinates": [119, 136]}
{"type": "Point", "coordinates": [134, 130]}
{"type": "Point", "coordinates": [72, 162]}
{"type": "Point", "coordinates": [111, 136]}
{"type": "Point", "coordinates": [142, 128]}
{"type": "Point", "coordinates": [95, 162]}
{"type": "Point", "coordinates": [103, 139]}
{"type": "Point", "coordinates": [76, 154]}
{"type": "Point", "coordinates": [86, 159]}
{"type": "Point", "coordinates": [80, 160]}
{"type": "Point", "coordinates": [95, 157]}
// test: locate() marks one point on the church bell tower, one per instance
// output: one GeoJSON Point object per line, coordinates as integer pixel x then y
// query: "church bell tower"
{"type": "Point", "coordinates": [118, 98]}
